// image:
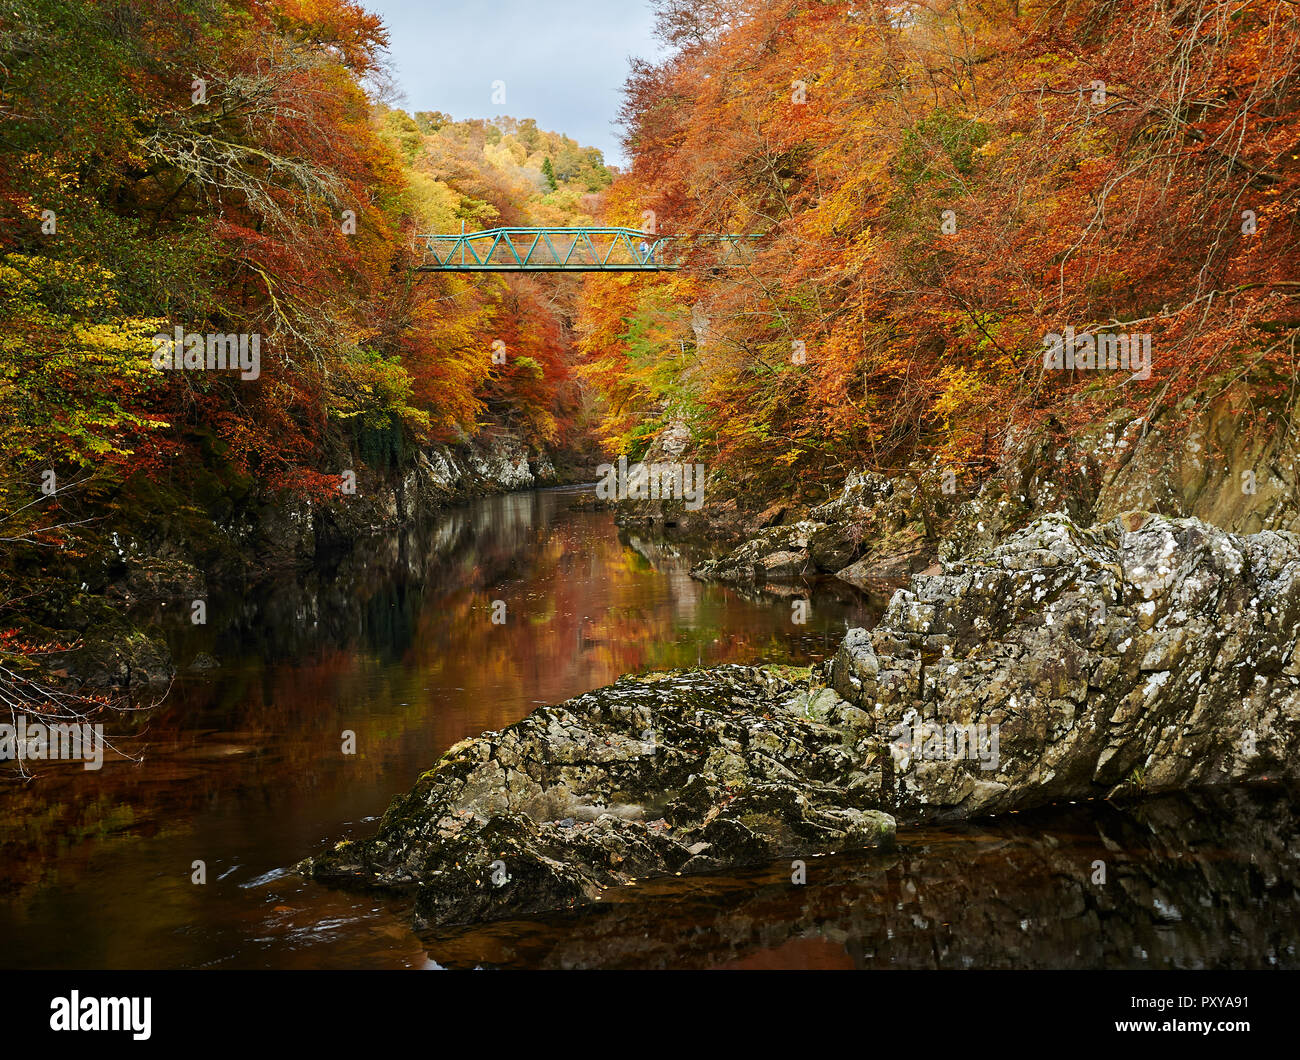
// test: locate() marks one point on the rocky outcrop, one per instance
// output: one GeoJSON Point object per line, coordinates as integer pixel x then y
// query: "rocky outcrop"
{"type": "Point", "coordinates": [287, 530]}
{"type": "Point", "coordinates": [686, 773]}
{"type": "Point", "coordinates": [1147, 654]}
{"type": "Point", "coordinates": [1228, 461]}
{"type": "Point", "coordinates": [495, 465]}
{"type": "Point", "coordinates": [96, 649]}
{"type": "Point", "coordinates": [778, 553]}
{"type": "Point", "coordinates": [872, 534]}
{"type": "Point", "coordinates": [232, 533]}
{"type": "Point", "coordinates": [704, 517]}
{"type": "Point", "coordinates": [440, 475]}
{"type": "Point", "coordinates": [117, 656]}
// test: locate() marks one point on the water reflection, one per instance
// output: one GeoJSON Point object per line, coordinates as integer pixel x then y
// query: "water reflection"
{"type": "Point", "coordinates": [1207, 880]}
{"type": "Point", "coordinates": [242, 767]}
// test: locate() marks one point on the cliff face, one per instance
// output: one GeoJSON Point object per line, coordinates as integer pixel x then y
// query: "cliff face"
{"type": "Point", "coordinates": [299, 530]}
{"type": "Point", "coordinates": [1228, 462]}
{"type": "Point", "coordinates": [259, 533]}
{"type": "Point", "coordinates": [1226, 466]}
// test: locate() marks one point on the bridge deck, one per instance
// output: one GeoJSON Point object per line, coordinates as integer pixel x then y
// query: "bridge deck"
{"type": "Point", "coordinates": [575, 250]}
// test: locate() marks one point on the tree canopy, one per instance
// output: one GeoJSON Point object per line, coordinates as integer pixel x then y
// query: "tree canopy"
{"type": "Point", "coordinates": [940, 184]}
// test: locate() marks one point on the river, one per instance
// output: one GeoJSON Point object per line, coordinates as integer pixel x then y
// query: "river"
{"type": "Point", "coordinates": [244, 768]}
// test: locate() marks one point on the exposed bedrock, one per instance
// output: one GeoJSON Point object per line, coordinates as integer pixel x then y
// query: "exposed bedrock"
{"type": "Point", "coordinates": [685, 773]}
{"type": "Point", "coordinates": [873, 532]}
{"type": "Point", "coordinates": [1146, 654]}
{"type": "Point", "coordinates": [1205, 459]}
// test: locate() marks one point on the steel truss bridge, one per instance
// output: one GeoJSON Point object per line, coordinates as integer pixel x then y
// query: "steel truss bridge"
{"type": "Point", "coordinates": [578, 250]}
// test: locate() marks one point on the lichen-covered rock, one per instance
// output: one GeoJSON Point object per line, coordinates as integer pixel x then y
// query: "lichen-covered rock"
{"type": "Point", "coordinates": [878, 530]}
{"type": "Point", "coordinates": [780, 552]}
{"type": "Point", "coordinates": [702, 515]}
{"type": "Point", "coordinates": [503, 463]}
{"type": "Point", "coordinates": [1147, 653]}
{"type": "Point", "coordinates": [444, 473]}
{"type": "Point", "coordinates": [116, 655]}
{"type": "Point", "coordinates": [685, 773]}
{"type": "Point", "coordinates": [882, 568]}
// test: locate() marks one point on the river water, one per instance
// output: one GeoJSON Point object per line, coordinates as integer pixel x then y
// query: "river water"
{"type": "Point", "coordinates": [243, 769]}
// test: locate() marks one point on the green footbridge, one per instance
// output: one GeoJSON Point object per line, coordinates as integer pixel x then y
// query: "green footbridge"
{"type": "Point", "coordinates": [579, 250]}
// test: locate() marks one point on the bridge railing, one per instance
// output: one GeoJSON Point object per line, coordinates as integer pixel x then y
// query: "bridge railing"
{"type": "Point", "coordinates": [577, 250]}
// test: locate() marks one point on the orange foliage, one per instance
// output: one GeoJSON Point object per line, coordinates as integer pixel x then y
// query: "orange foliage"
{"type": "Point", "coordinates": [1097, 162]}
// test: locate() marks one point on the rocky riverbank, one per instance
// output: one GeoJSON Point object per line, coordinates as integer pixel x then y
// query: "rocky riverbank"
{"type": "Point", "coordinates": [1146, 654]}
{"type": "Point", "coordinates": [230, 533]}
{"type": "Point", "coordinates": [1207, 458]}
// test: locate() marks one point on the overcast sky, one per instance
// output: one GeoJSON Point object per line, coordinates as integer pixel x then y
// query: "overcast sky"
{"type": "Point", "coordinates": [563, 61]}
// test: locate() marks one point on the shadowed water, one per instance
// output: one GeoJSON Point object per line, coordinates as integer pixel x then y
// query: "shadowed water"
{"type": "Point", "coordinates": [1207, 880]}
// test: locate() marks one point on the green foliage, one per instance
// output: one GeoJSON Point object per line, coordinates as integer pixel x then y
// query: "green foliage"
{"type": "Point", "coordinates": [938, 146]}
{"type": "Point", "coordinates": [404, 133]}
{"type": "Point", "coordinates": [382, 446]}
